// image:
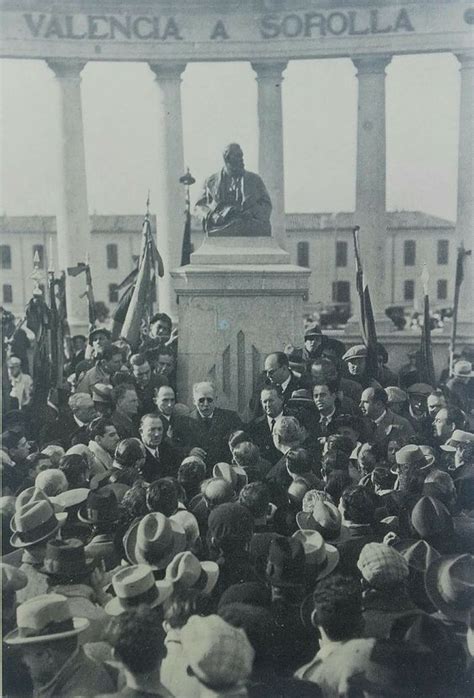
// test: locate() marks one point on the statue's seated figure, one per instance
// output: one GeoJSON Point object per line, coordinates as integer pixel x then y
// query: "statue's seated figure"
{"type": "Point", "coordinates": [235, 201]}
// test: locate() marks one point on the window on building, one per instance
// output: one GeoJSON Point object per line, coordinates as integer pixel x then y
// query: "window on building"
{"type": "Point", "coordinates": [302, 254]}
{"type": "Point", "coordinates": [113, 293]}
{"type": "Point", "coordinates": [409, 253]}
{"type": "Point", "coordinates": [7, 293]}
{"type": "Point", "coordinates": [341, 254]}
{"type": "Point", "coordinates": [341, 291]}
{"type": "Point", "coordinates": [38, 252]}
{"type": "Point", "coordinates": [6, 256]}
{"type": "Point", "coordinates": [443, 251]}
{"type": "Point", "coordinates": [409, 290]}
{"type": "Point", "coordinates": [112, 256]}
{"type": "Point", "coordinates": [442, 289]}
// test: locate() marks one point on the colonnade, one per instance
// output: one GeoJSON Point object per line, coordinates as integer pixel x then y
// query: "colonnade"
{"type": "Point", "coordinates": [73, 222]}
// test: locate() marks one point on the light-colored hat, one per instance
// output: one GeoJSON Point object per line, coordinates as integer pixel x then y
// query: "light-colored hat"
{"type": "Point", "coordinates": [45, 618]}
{"type": "Point", "coordinates": [34, 522]}
{"type": "Point", "coordinates": [395, 394]}
{"type": "Point", "coordinates": [359, 351]}
{"type": "Point", "coordinates": [71, 498]}
{"type": "Point", "coordinates": [13, 361]}
{"type": "Point", "coordinates": [411, 455]}
{"type": "Point", "coordinates": [233, 474]}
{"type": "Point", "coordinates": [321, 558]}
{"type": "Point", "coordinates": [381, 566]}
{"type": "Point", "coordinates": [134, 586]}
{"type": "Point", "coordinates": [463, 369]}
{"type": "Point", "coordinates": [80, 400]}
{"type": "Point", "coordinates": [326, 519]}
{"type": "Point", "coordinates": [154, 540]}
{"type": "Point", "coordinates": [34, 494]}
{"type": "Point", "coordinates": [458, 437]}
{"type": "Point", "coordinates": [185, 571]}
{"type": "Point", "coordinates": [102, 393]}
{"type": "Point", "coordinates": [13, 579]}
{"type": "Point", "coordinates": [218, 653]}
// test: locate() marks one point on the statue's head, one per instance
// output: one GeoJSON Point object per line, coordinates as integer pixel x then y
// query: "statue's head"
{"type": "Point", "coordinates": [234, 160]}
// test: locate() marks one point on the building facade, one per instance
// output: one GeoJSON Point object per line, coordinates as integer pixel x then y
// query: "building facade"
{"type": "Point", "coordinates": [321, 242]}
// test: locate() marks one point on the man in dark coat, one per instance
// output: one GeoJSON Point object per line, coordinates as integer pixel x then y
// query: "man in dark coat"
{"type": "Point", "coordinates": [276, 372]}
{"type": "Point", "coordinates": [161, 459]}
{"type": "Point", "coordinates": [261, 429]}
{"type": "Point", "coordinates": [213, 425]}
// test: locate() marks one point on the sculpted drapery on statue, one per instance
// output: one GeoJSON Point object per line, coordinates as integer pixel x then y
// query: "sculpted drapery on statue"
{"type": "Point", "coordinates": [235, 202]}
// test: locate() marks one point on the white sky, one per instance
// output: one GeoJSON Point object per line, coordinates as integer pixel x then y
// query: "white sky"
{"type": "Point", "coordinates": [219, 106]}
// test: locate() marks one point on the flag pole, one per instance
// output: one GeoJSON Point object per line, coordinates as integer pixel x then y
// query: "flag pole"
{"type": "Point", "coordinates": [462, 253]}
{"type": "Point", "coordinates": [187, 180]}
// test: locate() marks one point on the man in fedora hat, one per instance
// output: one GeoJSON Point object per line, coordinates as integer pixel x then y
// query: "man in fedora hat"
{"type": "Point", "coordinates": [33, 525]}
{"type": "Point", "coordinates": [47, 635]}
{"type": "Point", "coordinates": [101, 512]}
{"type": "Point", "coordinates": [460, 386]}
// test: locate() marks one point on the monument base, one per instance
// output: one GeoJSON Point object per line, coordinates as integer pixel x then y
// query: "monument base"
{"type": "Point", "coordinates": [238, 300]}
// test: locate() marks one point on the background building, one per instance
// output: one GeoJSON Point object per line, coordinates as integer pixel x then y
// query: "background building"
{"type": "Point", "coordinates": [320, 241]}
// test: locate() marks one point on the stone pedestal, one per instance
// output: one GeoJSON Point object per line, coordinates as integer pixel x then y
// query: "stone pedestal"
{"type": "Point", "coordinates": [238, 300]}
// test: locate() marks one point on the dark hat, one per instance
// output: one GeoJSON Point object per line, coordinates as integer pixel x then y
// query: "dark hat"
{"type": "Point", "coordinates": [257, 622]}
{"type": "Point", "coordinates": [249, 593]}
{"type": "Point", "coordinates": [450, 585]}
{"type": "Point", "coordinates": [259, 549]}
{"type": "Point", "coordinates": [66, 558]}
{"type": "Point", "coordinates": [312, 330]}
{"type": "Point", "coordinates": [101, 507]}
{"type": "Point", "coordinates": [79, 336]}
{"type": "Point", "coordinates": [429, 517]}
{"type": "Point", "coordinates": [99, 330]}
{"type": "Point", "coordinates": [230, 521]}
{"type": "Point", "coordinates": [300, 397]}
{"type": "Point", "coordinates": [286, 563]}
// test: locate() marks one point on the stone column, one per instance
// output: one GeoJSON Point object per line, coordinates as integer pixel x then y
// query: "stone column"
{"type": "Point", "coordinates": [371, 179]}
{"type": "Point", "coordinates": [465, 199]}
{"type": "Point", "coordinates": [73, 226]}
{"type": "Point", "coordinates": [271, 164]}
{"type": "Point", "coordinates": [168, 202]}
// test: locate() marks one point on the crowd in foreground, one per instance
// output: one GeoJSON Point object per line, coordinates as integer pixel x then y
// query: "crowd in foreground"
{"type": "Point", "coordinates": [323, 547]}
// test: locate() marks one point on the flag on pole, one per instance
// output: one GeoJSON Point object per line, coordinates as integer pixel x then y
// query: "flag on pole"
{"type": "Point", "coordinates": [367, 320]}
{"type": "Point", "coordinates": [427, 372]}
{"type": "Point", "coordinates": [140, 304]}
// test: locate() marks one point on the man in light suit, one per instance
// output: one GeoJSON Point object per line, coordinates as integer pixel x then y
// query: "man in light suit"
{"type": "Point", "coordinates": [213, 425]}
{"type": "Point", "coordinates": [373, 404]}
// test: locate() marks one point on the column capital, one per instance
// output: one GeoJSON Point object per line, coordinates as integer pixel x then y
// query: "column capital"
{"type": "Point", "coordinates": [466, 60]}
{"type": "Point", "coordinates": [168, 71]}
{"type": "Point", "coordinates": [66, 68]}
{"type": "Point", "coordinates": [269, 70]}
{"type": "Point", "coordinates": [371, 65]}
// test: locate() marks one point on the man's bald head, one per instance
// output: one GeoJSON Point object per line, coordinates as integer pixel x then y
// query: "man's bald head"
{"type": "Point", "coordinates": [373, 402]}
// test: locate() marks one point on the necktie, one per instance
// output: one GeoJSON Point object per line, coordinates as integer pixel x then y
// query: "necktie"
{"type": "Point", "coordinates": [157, 453]}
{"type": "Point", "coordinates": [272, 426]}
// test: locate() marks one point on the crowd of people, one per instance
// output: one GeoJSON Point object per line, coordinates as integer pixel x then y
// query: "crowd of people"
{"type": "Point", "coordinates": [323, 546]}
